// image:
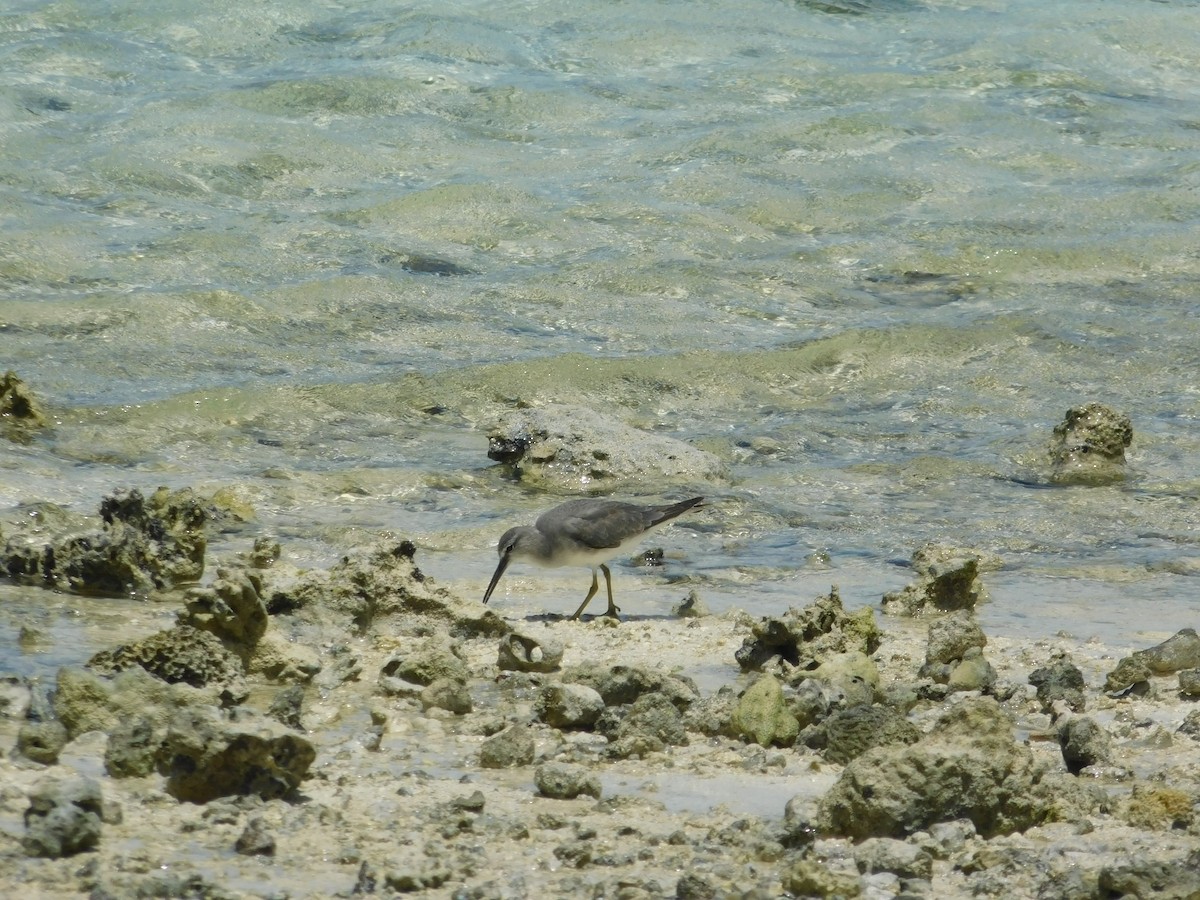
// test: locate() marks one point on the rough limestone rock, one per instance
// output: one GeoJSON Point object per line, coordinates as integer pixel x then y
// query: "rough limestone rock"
{"type": "Point", "coordinates": [565, 781]}
{"type": "Point", "coordinates": [42, 742]}
{"type": "Point", "coordinates": [972, 673]}
{"type": "Point", "coordinates": [85, 701]}
{"type": "Point", "coordinates": [132, 747]}
{"type": "Point", "coordinates": [969, 766]}
{"type": "Point", "coordinates": [18, 407]}
{"type": "Point", "coordinates": [512, 747]}
{"type": "Point", "coordinates": [803, 638]}
{"type": "Point", "coordinates": [563, 447]}
{"type": "Point", "coordinates": [178, 655]}
{"type": "Point", "coordinates": [1178, 652]}
{"type": "Point", "coordinates": [952, 636]}
{"type": "Point", "coordinates": [64, 817]}
{"type": "Point", "coordinates": [450, 694]}
{"type": "Point", "coordinates": [650, 724]}
{"type": "Point", "coordinates": [279, 659]}
{"type": "Point", "coordinates": [620, 685]}
{"type": "Point", "coordinates": [525, 653]}
{"type": "Point", "coordinates": [145, 544]}
{"type": "Point", "coordinates": [1084, 743]}
{"type": "Point", "coordinates": [947, 578]}
{"type": "Point", "coordinates": [569, 706]}
{"type": "Point", "coordinates": [845, 679]}
{"type": "Point", "coordinates": [1060, 679]}
{"type": "Point", "coordinates": [231, 608]}
{"type": "Point", "coordinates": [849, 733]}
{"type": "Point", "coordinates": [890, 855]}
{"type": "Point", "coordinates": [382, 583]}
{"type": "Point", "coordinates": [762, 715]}
{"type": "Point", "coordinates": [1088, 446]}
{"type": "Point", "coordinates": [204, 756]}
{"type": "Point", "coordinates": [426, 661]}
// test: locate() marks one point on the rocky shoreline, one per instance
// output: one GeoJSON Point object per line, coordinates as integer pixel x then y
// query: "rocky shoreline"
{"type": "Point", "coordinates": [364, 731]}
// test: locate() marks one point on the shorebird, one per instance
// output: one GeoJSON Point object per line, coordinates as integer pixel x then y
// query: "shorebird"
{"type": "Point", "coordinates": [584, 533]}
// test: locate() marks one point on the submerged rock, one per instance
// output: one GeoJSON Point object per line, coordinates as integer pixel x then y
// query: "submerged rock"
{"type": "Point", "coordinates": [947, 579]}
{"type": "Point", "coordinates": [19, 410]}
{"type": "Point", "coordinates": [565, 446]}
{"type": "Point", "coordinates": [805, 637]}
{"type": "Point", "coordinates": [1088, 446]}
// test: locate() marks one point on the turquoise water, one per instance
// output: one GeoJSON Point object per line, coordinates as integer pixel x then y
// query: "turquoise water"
{"type": "Point", "coordinates": [253, 245]}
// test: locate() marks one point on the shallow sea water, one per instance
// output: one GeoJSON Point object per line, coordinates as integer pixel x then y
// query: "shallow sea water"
{"type": "Point", "coordinates": [311, 252]}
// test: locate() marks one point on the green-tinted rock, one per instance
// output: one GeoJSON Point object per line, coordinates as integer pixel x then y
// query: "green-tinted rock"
{"type": "Point", "coordinates": [762, 715]}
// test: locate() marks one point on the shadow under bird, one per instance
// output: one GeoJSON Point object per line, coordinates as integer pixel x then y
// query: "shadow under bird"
{"type": "Point", "coordinates": [584, 533]}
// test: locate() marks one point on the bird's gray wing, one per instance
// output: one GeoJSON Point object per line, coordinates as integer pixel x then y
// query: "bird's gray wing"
{"type": "Point", "coordinates": [599, 526]}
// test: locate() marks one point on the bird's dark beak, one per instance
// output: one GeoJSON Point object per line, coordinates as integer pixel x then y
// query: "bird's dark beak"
{"type": "Point", "coordinates": [496, 577]}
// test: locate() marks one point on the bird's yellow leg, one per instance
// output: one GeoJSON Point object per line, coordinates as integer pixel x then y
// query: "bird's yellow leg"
{"type": "Point", "coordinates": [592, 593]}
{"type": "Point", "coordinates": [612, 607]}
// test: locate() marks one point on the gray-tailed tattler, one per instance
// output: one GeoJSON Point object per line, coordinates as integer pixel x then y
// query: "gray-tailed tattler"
{"type": "Point", "coordinates": [584, 533]}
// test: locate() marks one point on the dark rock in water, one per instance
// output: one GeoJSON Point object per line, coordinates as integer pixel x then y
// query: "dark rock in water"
{"type": "Point", "coordinates": [1059, 680]}
{"type": "Point", "coordinates": [64, 817]}
{"type": "Point", "coordinates": [17, 404]}
{"type": "Point", "coordinates": [42, 741]}
{"type": "Point", "coordinates": [145, 544]}
{"type": "Point", "coordinates": [564, 781]}
{"type": "Point", "coordinates": [849, 733]}
{"type": "Point", "coordinates": [969, 766]}
{"type": "Point", "coordinates": [1178, 652]}
{"type": "Point", "coordinates": [804, 637]}
{"type": "Point", "coordinates": [1084, 743]}
{"type": "Point", "coordinates": [1088, 446]}
{"type": "Point", "coordinates": [205, 756]}
{"type": "Point", "coordinates": [421, 264]}
{"type": "Point", "coordinates": [180, 654]}
{"type": "Point", "coordinates": [256, 839]}
{"type": "Point", "coordinates": [947, 579]}
{"type": "Point", "coordinates": [1189, 682]}
{"type": "Point", "coordinates": [512, 747]}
